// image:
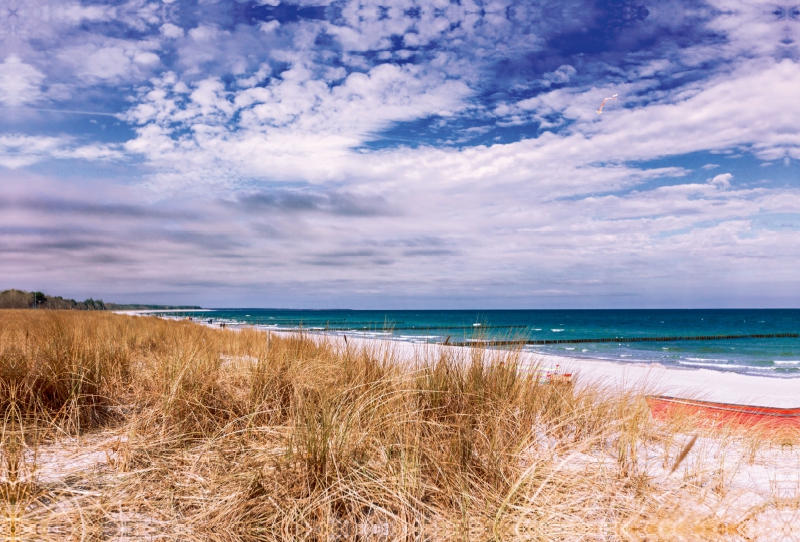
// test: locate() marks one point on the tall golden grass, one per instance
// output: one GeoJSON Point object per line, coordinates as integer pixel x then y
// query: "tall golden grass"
{"type": "Point", "coordinates": [207, 434]}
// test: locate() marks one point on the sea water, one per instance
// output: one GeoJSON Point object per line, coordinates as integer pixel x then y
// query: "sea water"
{"type": "Point", "coordinates": [779, 357]}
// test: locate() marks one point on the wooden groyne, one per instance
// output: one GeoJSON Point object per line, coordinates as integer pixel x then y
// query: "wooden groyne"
{"type": "Point", "coordinates": [411, 328]}
{"type": "Point", "coordinates": [633, 339]}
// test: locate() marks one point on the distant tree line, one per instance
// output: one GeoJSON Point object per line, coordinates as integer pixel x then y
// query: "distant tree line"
{"type": "Point", "coordinates": [18, 299]}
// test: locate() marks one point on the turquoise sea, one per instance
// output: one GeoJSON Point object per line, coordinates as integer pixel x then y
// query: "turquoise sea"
{"type": "Point", "coordinates": [770, 356]}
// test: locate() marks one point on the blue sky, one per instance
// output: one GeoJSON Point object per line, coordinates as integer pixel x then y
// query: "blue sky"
{"type": "Point", "coordinates": [402, 154]}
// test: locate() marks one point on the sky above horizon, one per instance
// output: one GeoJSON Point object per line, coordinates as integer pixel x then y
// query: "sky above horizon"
{"type": "Point", "coordinates": [402, 154]}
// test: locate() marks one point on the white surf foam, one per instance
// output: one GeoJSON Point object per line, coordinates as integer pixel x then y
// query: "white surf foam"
{"type": "Point", "coordinates": [724, 365]}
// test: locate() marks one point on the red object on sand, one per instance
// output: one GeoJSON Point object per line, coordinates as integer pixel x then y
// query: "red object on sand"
{"type": "Point", "coordinates": [559, 378]}
{"type": "Point", "coordinates": [663, 406]}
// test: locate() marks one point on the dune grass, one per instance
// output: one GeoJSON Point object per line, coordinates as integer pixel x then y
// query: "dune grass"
{"type": "Point", "coordinates": [128, 428]}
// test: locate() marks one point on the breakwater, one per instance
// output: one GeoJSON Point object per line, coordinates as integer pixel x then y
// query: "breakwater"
{"type": "Point", "coordinates": [423, 329]}
{"type": "Point", "coordinates": [629, 339]}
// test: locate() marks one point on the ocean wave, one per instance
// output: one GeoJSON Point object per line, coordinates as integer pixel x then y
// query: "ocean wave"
{"type": "Point", "coordinates": [787, 362]}
{"type": "Point", "coordinates": [725, 365]}
{"type": "Point", "coordinates": [706, 359]}
{"type": "Point", "coordinates": [556, 330]}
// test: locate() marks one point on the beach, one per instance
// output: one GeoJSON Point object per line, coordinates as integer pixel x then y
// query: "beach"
{"type": "Point", "coordinates": [164, 427]}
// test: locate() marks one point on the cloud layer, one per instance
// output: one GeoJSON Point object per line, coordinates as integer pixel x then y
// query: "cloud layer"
{"type": "Point", "coordinates": [428, 153]}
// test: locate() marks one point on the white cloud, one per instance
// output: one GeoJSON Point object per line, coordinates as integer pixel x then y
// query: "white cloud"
{"type": "Point", "coordinates": [106, 63]}
{"type": "Point", "coordinates": [748, 107]}
{"type": "Point", "coordinates": [559, 76]}
{"type": "Point", "coordinates": [76, 13]}
{"type": "Point", "coordinates": [655, 67]}
{"type": "Point", "coordinates": [91, 152]}
{"type": "Point", "coordinates": [18, 150]}
{"type": "Point", "coordinates": [204, 32]}
{"type": "Point", "coordinates": [268, 27]}
{"type": "Point", "coordinates": [292, 117]}
{"type": "Point", "coordinates": [146, 58]}
{"type": "Point", "coordinates": [721, 181]}
{"type": "Point", "coordinates": [171, 31]}
{"type": "Point", "coordinates": [109, 60]}
{"type": "Point", "coordinates": [19, 82]}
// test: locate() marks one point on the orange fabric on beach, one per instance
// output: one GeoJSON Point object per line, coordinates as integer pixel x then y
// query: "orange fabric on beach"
{"type": "Point", "coordinates": [718, 413]}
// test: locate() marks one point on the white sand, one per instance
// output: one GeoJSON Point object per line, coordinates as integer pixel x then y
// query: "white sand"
{"type": "Point", "coordinates": [724, 387]}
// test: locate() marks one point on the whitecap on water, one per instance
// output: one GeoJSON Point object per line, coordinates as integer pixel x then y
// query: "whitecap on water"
{"type": "Point", "coordinates": [724, 365]}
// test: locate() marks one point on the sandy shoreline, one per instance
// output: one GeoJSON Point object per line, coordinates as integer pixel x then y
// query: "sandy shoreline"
{"type": "Point", "coordinates": [718, 386]}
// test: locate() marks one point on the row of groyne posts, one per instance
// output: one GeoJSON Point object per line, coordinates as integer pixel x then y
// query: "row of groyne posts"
{"type": "Point", "coordinates": [628, 339]}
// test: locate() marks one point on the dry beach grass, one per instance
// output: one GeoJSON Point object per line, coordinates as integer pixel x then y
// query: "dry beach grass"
{"type": "Point", "coordinates": [138, 428]}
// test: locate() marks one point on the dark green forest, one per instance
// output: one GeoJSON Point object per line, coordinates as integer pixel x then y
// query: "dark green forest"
{"type": "Point", "coordinates": [19, 299]}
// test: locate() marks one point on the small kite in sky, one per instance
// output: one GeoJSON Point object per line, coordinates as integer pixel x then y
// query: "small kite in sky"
{"type": "Point", "coordinates": [614, 97]}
